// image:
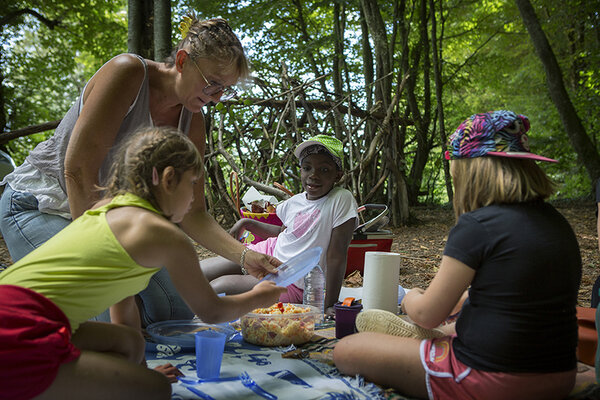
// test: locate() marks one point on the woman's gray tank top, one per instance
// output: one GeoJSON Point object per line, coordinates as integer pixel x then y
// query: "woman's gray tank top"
{"type": "Point", "coordinates": [49, 156]}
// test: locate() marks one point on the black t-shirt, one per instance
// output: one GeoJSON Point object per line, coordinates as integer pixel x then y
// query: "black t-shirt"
{"type": "Point", "coordinates": [520, 315]}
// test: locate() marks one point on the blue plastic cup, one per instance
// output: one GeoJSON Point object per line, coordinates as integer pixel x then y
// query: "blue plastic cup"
{"type": "Point", "coordinates": [209, 353]}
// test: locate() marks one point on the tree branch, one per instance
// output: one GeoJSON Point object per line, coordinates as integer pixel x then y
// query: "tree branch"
{"type": "Point", "coordinates": [10, 17]}
{"type": "Point", "coordinates": [6, 137]}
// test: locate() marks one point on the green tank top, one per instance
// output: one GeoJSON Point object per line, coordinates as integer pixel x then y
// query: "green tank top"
{"type": "Point", "coordinates": [83, 269]}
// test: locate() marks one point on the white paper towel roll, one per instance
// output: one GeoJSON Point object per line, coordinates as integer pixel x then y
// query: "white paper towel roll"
{"type": "Point", "coordinates": [380, 283]}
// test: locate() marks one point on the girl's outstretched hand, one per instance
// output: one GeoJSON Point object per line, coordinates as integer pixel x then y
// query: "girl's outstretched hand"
{"type": "Point", "coordinates": [169, 371]}
{"type": "Point", "coordinates": [237, 229]}
{"type": "Point", "coordinates": [268, 292]}
{"type": "Point", "coordinates": [259, 265]}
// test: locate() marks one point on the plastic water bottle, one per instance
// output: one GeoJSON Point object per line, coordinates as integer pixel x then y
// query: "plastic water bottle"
{"type": "Point", "coordinates": [314, 291]}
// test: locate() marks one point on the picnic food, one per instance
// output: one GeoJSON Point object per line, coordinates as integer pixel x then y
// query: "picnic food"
{"type": "Point", "coordinates": [261, 206]}
{"type": "Point", "coordinates": [281, 324]}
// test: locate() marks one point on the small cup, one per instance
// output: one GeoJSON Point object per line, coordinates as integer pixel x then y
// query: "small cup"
{"type": "Point", "coordinates": [345, 317]}
{"type": "Point", "coordinates": [401, 294]}
{"type": "Point", "coordinates": [209, 353]}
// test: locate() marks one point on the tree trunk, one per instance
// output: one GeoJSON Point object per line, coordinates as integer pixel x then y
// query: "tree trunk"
{"type": "Point", "coordinates": [302, 26]}
{"type": "Point", "coordinates": [582, 144]}
{"type": "Point", "coordinates": [2, 105]}
{"type": "Point", "coordinates": [367, 58]}
{"type": "Point", "coordinates": [422, 118]}
{"type": "Point", "coordinates": [338, 43]}
{"type": "Point", "coordinates": [162, 29]}
{"type": "Point", "coordinates": [387, 134]}
{"type": "Point", "coordinates": [437, 73]}
{"type": "Point", "coordinates": [378, 33]}
{"type": "Point", "coordinates": [338, 63]}
{"type": "Point", "coordinates": [139, 28]}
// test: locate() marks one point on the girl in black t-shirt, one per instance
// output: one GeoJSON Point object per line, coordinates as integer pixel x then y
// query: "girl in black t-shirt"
{"type": "Point", "coordinates": [516, 334]}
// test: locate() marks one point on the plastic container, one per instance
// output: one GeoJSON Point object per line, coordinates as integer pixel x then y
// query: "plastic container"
{"type": "Point", "coordinates": [181, 332]}
{"type": "Point", "coordinates": [296, 267]}
{"type": "Point", "coordinates": [314, 291]}
{"type": "Point", "coordinates": [345, 318]}
{"type": "Point", "coordinates": [279, 329]}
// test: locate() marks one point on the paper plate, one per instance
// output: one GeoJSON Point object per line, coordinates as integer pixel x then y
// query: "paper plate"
{"type": "Point", "coordinates": [181, 332]}
{"type": "Point", "coordinates": [296, 267]}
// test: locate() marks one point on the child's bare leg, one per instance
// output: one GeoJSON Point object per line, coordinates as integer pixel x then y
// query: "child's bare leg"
{"type": "Point", "coordinates": [233, 284]}
{"type": "Point", "coordinates": [109, 367]}
{"type": "Point", "coordinates": [226, 276]}
{"type": "Point", "coordinates": [104, 376]}
{"type": "Point", "coordinates": [103, 337]}
{"type": "Point", "coordinates": [390, 361]}
{"type": "Point", "coordinates": [214, 267]}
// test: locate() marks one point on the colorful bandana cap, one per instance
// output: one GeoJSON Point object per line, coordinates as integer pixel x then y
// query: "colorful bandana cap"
{"type": "Point", "coordinates": [322, 144]}
{"type": "Point", "coordinates": [495, 133]}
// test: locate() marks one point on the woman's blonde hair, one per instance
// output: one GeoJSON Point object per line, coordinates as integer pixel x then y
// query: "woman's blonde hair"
{"type": "Point", "coordinates": [482, 181]}
{"type": "Point", "coordinates": [213, 39]}
{"type": "Point", "coordinates": [149, 148]}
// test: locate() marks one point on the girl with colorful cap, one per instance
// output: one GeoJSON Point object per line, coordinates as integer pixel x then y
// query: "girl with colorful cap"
{"type": "Point", "coordinates": [57, 181]}
{"type": "Point", "coordinates": [516, 334]}
{"type": "Point", "coordinates": [323, 215]}
{"type": "Point", "coordinates": [47, 345]}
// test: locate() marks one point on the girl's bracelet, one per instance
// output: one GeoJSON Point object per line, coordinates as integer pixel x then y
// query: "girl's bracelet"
{"type": "Point", "coordinates": [243, 260]}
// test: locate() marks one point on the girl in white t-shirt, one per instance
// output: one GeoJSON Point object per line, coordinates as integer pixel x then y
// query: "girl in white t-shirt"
{"type": "Point", "coordinates": [323, 215]}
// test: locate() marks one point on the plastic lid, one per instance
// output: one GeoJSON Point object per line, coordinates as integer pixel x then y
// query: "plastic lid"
{"type": "Point", "coordinates": [181, 332]}
{"type": "Point", "coordinates": [296, 267]}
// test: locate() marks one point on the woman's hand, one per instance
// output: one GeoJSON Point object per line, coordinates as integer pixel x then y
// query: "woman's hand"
{"type": "Point", "coordinates": [268, 293]}
{"type": "Point", "coordinates": [169, 371]}
{"type": "Point", "coordinates": [259, 265]}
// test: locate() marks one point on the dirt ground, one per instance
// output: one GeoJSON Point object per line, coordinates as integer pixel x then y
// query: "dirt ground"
{"type": "Point", "coordinates": [422, 242]}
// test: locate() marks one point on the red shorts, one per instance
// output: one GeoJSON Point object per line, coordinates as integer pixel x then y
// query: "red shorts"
{"type": "Point", "coordinates": [448, 378]}
{"type": "Point", "coordinates": [267, 246]}
{"type": "Point", "coordinates": [35, 339]}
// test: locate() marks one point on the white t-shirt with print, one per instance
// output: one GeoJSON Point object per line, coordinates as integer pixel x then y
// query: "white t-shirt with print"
{"type": "Point", "coordinates": [309, 223]}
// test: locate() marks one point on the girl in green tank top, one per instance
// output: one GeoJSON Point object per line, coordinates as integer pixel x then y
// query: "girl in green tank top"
{"type": "Point", "coordinates": [103, 259]}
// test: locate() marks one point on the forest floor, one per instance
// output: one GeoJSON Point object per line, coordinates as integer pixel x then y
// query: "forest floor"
{"type": "Point", "coordinates": [421, 244]}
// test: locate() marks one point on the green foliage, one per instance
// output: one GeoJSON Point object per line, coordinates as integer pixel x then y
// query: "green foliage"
{"type": "Point", "coordinates": [45, 68]}
{"type": "Point", "coordinates": [487, 58]}
{"type": "Point", "coordinates": [505, 73]}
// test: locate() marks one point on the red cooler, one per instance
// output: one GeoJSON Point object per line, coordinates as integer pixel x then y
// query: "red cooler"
{"type": "Point", "coordinates": [361, 243]}
{"type": "Point", "coordinates": [368, 237]}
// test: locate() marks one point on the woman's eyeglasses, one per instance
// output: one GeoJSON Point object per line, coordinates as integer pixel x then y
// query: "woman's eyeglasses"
{"type": "Point", "coordinates": [213, 88]}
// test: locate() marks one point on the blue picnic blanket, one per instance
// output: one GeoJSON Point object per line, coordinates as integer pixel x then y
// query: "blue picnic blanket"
{"type": "Point", "coordinates": [273, 376]}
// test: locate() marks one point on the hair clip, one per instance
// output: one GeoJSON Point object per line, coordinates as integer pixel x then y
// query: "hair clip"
{"type": "Point", "coordinates": [184, 26]}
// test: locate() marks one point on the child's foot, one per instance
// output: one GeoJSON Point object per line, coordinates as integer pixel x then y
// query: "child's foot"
{"type": "Point", "coordinates": [389, 323]}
